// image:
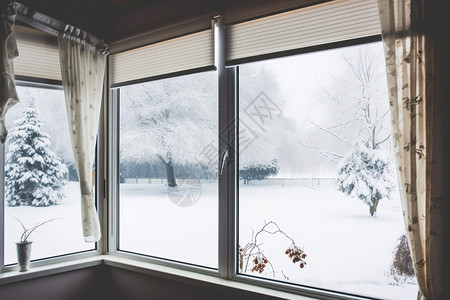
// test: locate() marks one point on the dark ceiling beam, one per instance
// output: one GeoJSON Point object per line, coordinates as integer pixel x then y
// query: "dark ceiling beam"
{"type": "Point", "coordinates": [161, 14]}
{"type": "Point", "coordinates": [51, 25]}
{"type": "Point", "coordinates": [86, 15]}
{"type": "Point", "coordinates": [117, 20]}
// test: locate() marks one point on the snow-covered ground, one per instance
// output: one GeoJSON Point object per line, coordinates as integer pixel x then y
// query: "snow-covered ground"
{"type": "Point", "coordinates": [61, 236]}
{"type": "Point", "coordinates": [347, 250]}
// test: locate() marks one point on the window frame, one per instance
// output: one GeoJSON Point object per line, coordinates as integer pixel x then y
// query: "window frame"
{"type": "Point", "coordinates": [113, 112]}
{"type": "Point", "coordinates": [55, 85]}
{"type": "Point", "coordinates": [228, 113]}
{"type": "Point", "coordinates": [108, 180]}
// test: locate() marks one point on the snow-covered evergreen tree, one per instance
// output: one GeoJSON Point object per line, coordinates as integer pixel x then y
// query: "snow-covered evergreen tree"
{"type": "Point", "coordinates": [366, 173]}
{"type": "Point", "coordinates": [34, 174]}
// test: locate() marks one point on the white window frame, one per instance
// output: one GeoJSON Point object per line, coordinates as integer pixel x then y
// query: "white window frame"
{"type": "Point", "coordinates": [108, 180]}
{"type": "Point", "coordinates": [46, 261]}
{"type": "Point", "coordinates": [228, 86]}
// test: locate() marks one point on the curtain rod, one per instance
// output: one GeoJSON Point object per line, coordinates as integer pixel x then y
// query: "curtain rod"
{"type": "Point", "coordinates": [53, 26]}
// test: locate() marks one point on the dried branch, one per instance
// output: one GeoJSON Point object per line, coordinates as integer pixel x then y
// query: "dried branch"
{"type": "Point", "coordinates": [28, 231]}
{"type": "Point", "coordinates": [253, 251]}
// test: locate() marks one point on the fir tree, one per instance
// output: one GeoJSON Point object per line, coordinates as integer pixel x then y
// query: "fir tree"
{"type": "Point", "coordinates": [366, 173]}
{"type": "Point", "coordinates": [34, 174]}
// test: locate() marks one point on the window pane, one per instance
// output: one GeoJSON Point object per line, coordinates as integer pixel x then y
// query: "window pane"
{"type": "Point", "coordinates": [168, 169]}
{"type": "Point", "coordinates": [318, 202]}
{"type": "Point", "coordinates": [40, 177]}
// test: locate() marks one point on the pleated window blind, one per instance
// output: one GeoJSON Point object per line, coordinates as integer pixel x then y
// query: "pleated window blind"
{"type": "Point", "coordinates": [320, 24]}
{"type": "Point", "coordinates": [190, 52]}
{"type": "Point", "coordinates": [38, 54]}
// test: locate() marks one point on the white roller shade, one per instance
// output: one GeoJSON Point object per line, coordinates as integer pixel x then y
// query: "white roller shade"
{"type": "Point", "coordinates": [185, 53]}
{"type": "Point", "coordinates": [38, 55]}
{"type": "Point", "coordinates": [325, 23]}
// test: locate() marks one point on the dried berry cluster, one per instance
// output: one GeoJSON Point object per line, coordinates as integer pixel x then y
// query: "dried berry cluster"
{"type": "Point", "coordinates": [260, 262]}
{"type": "Point", "coordinates": [296, 255]}
{"type": "Point", "coordinates": [254, 251]}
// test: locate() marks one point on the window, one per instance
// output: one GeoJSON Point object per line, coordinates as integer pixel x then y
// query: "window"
{"type": "Point", "coordinates": [168, 199]}
{"type": "Point", "coordinates": [40, 178]}
{"type": "Point", "coordinates": [318, 205]}
{"type": "Point", "coordinates": [315, 179]}
{"type": "Point", "coordinates": [307, 197]}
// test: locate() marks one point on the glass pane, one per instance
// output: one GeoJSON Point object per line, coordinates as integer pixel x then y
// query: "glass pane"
{"type": "Point", "coordinates": [168, 169]}
{"type": "Point", "coordinates": [40, 178]}
{"type": "Point", "coordinates": [318, 202]}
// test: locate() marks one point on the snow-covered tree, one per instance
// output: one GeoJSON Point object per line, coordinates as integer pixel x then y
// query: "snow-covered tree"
{"type": "Point", "coordinates": [354, 115]}
{"type": "Point", "coordinates": [170, 122]}
{"type": "Point", "coordinates": [258, 171]}
{"type": "Point", "coordinates": [173, 123]}
{"type": "Point", "coordinates": [366, 173]}
{"type": "Point", "coordinates": [354, 107]}
{"type": "Point", "coordinates": [34, 174]}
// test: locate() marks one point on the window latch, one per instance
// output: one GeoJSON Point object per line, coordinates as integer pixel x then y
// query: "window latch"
{"type": "Point", "coordinates": [224, 160]}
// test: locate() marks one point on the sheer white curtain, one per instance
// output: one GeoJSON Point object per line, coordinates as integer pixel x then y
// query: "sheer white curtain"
{"type": "Point", "coordinates": [8, 50]}
{"type": "Point", "coordinates": [82, 70]}
{"type": "Point", "coordinates": [412, 36]}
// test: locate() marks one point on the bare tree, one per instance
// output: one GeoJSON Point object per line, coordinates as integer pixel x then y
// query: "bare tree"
{"type": "Point", "coordinates": [358, 105]}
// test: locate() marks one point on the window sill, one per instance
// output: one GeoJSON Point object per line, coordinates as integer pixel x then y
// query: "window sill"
{"type": "Point", "coordinates": [49, 269]}
{"type": "Point", "coordinates": [192, 278]}
{"type": "Point", "coordinates": [160, 271]}
{"type": "Point", "coordinates": [163, 272]}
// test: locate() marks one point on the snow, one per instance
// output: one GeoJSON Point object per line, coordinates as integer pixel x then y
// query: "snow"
{"type": "Point", "coordinates": [346, 249]}
{"type": "Point", "coordinates": [151, 223]}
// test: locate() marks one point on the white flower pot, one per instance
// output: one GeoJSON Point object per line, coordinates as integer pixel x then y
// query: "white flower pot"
{"type": "Point", "coordinates": [23, 255]}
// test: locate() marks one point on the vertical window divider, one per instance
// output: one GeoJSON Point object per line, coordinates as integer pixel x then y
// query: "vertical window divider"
{"type": "Point", "coordinates": [227, 134]}
{"type": "Point", "coordinates": [100, 182]}
{"type": "Point", "coordinates": [2, 207]}
{"type": "Point", "coordinates": [232, 198]}
{"type": "Point", "coordinates": [219, 57]}
{"type": "Point", "coordinates": [113, 171]}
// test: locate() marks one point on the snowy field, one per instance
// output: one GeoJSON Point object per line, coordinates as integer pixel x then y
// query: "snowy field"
{"type": "Point", "coordinates": [347, 250]}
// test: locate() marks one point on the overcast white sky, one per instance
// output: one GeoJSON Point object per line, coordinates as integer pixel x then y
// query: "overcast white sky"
{"type": "Point", "coordinates": [298, 78]}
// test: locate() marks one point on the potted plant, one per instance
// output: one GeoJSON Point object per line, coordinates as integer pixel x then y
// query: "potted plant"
{"type": "Point", "coordinates": [24, 245]}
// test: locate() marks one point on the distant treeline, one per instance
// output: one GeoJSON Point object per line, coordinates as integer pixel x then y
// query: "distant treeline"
{"type": "Point", "coordinates": [133, 169]}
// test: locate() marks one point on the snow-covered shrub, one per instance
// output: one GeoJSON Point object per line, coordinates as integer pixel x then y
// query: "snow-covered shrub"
{"type": "Point", "coordinates": [34, 174]}
{"type": "Point", "coordinates": [402, 266]}
{"type": "Point", "coordinates": [366, 173]}
{"type": "Point", "coordinates": [258, 171]}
